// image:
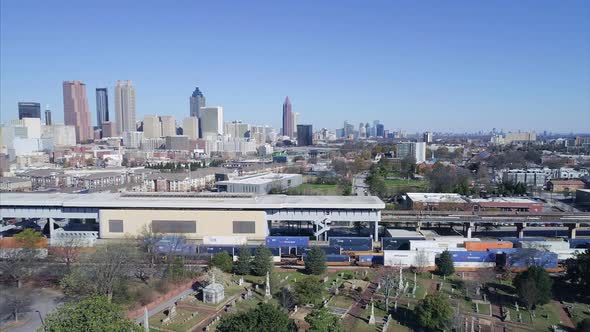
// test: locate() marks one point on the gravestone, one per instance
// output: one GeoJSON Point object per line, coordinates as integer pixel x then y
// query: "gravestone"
{"type": "Point", "coordinates": [241, 281]}
{"type": "Point", "coordinates": [172, 311]}
{"type": "Point", "coordinates": [516, 305]}
{"type": "Point", "coordinates": [296, 308]}
{"type": "Point", "coordinates": [372, 317]}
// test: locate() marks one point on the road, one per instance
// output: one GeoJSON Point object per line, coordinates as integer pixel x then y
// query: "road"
{"type": "Point", "coordinates": [45, 300]}
{"type": "Point", "coordinates": [359, 187]}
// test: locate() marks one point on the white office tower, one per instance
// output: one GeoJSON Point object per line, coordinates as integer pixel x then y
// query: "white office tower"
{"type": "Point", "coordinates": [211, 121]}
{"type": "Point", "coordinates": [190, 127]}
{"type": "Point", "coordinates": [132, 139]}
{"type": "Point", "coordinates": [151, 126]}
{"type": "Point", "coordinates": [125, 106]}
{"type": "Point", "coordinates": [62, 135]}
{"type": "Point", "coordinates": [265, 150]}
{"type": "Point", "coordinates": [236, 129]}
{"type": "Point", "coordinates": [168, 125]}
{"type": "Point", "coordinates": [296, 119]}
{"type": "Point", "coordinates": [415, 149]}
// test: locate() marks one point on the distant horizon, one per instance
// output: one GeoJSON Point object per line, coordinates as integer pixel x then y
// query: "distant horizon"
{"type": "Point", "coordinates": [462, 67]}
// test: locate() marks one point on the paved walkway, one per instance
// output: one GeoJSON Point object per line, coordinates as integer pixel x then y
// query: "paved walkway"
{"type": "Point", "coordinates": [164, 305]}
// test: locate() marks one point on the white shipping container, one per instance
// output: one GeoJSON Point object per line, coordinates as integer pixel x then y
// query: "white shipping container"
{"type": "Point", "coordinates": [434, 244]}
{"type": "Point", "coordinates": [563, 254]}
{"type": "Point", "coordinates": [407, 258]}
{"type": "Point", "coordinates": [225, 240]}
{"type": "Point", "coordinates": [478, 265]}
{"type": "Point", "coordinates": [544, 245]}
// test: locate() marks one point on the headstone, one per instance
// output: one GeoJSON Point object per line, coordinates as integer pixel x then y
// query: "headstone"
{"type": "Point", "coordinates": [491, 313]}
{"type": "Point", "coordinates": [395, 306]}
{"type": "Point", "coordinates": [295, 309]}
{"type": "Point", "coordinates": [166, 320]}
{"type": "Point", "coordinates": [172, 311]}
{"type": "Point", "coordinates": [146, 320]}
{"type": "Point", "coordinates": [476, 307]}
{"type": "Point", "coordinates": [477, 290]}
{"type": "Point", "coordinates": [485, 299]}
{"type": "Point", "coordinates": [241, 281]}
{"type": "Point", "coordinates": [325, 279]}
{"type": "Point", "coordinates": [372, 317]}
{"type": "Point", "coordinates": [516, 305]}
{"type": "Point", "coordinates": [267, 295]}
{"type": "Point", "coordinates": [249, 294]}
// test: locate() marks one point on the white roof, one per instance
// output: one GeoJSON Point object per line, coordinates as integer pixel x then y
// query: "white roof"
{"type": "Point", "coordinates": [157, 200]}
{"type": "Point", "coordinates": [436, 198]}
{"type": "Point", "coordinates": [259, 178]}
{"type": "Point", "coordinates": [503, 200]}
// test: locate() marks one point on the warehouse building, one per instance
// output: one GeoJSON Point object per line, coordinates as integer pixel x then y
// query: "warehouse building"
{"type": "Point", "coordinates": [260, 184]}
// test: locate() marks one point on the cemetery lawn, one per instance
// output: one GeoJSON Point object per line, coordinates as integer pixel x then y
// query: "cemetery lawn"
{"type": "Point", "coordinates": [178, 323]}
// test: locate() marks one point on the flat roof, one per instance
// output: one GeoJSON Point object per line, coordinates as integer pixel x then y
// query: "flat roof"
{"type": "Point", "coordinates": [259, 178]}
{"type": "Point", "coordinates": [505, 200]}
{"type": "Point", "coordinates": [436, 198]}
{"type": "Point", "coordinates": [163, 201]}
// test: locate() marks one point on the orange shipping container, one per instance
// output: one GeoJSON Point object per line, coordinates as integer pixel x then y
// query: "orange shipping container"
{"type": "Point", "coordinates": [483, 246]}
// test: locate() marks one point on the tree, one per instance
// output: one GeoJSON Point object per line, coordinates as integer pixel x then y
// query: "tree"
{"type": "Point", "coordinates": [243, 264]}
{"type": "Point", "coordinates": [322, 320]}
{"type": "Point", "coordinates": [533, 286]}
{"type": "Point", "coordinates": [421, 262]}
{"type": "Point", "coordinates": [316, 261]}
{"type": "Point", "coordinates": [175, 270]}
{"type": "Point", "coordinates": [444, 265]}
{"type": "Point", "coordinates": [262, 262]}
{"type": "Point", "coordinates": [264, 318]}
{"type": "Point", "coordinates": [434, 312]}
{"type": "Point", "coordinates": [93, 314]}
{"type": "Point", "coordinates": [578, 271]}
{"type": "Point", "coordinates": [19, 263]}
{"type": "Point", "coordinates": [223, 261]}
{"type": "Point", "coordinates": [308, 290]}
{"type": "Point", "coordinates": [15, 301]}
{"type": "Point", "coordinates": [67, 252]}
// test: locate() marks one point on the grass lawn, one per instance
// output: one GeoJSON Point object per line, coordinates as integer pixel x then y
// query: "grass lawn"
{"type": "Point", "coordinates": [319, 189]}
{"type": "Point", "coordinates": [341, 301]}
{"type": "Point", "coordinates": [580, 312]}
{"type": "Point", "coordinates": [179, 323]}
{"type": "Point", "coordinates": [407, 185]}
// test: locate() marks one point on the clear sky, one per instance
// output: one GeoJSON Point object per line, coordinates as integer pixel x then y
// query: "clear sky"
{"type": "Point", "coordinates": [415, 65]}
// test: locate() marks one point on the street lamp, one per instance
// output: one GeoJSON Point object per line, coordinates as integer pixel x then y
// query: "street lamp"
{"type": "Point", "coordinates": [41, 318]}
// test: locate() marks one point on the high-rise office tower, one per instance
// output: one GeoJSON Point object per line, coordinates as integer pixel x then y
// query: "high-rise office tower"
{"type": "Point", "coordinates": [29, 110]}
{"type": "Point", "coordinates": [168, 125]}
{"type": "Point", "coordinates": [125, 106]}
{"type": "Point", "coordinates": [76, 111]}
{"type": "Point", "coordinates": [427, 137]}
{"type": "Point", "coordinates": [304, 135]}
{"type": "Point", "coordinates": [102, 106]}
{"type": "Point", "coordinates": [288, 118]}
{"type": "Point", "coordinates": [380, 130]}
{"type": "Point", "coordinates": [211, 121]}
{"type": "Point", "coordinates": [47, 116]}
{"type": "Point", "coordinates": [190, 127]}
{"type": "Point", "coordinates": [197, 101]}
{"type": "Point", "coordinates": [152, 127]}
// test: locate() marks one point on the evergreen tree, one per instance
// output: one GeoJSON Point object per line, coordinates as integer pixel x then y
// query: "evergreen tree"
{"type": "Point", "coordinates": [445, 265]}
{"type": "Point", "coordinates": [578, 271]}
{"type": "Point", "coordinates": [264, 318]}
{"type": "Point", "coordinates": [262, 261]}
{"type": "Point", "coordinates": [308, 290]}
{"type": "Point", "coordinates": [243, 264]}
{"type": "Point", "coordinates": [222, 260]}
{"type": "Point", "coordinates": [533, 286]}
{"type": "Point", "coordinates": [434, 312]}
{"type": "Point", "coordinates": [315, 263]}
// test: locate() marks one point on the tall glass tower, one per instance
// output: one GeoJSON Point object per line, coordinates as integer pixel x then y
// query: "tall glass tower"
{"type": "Point", "coordinates": [102, 106]}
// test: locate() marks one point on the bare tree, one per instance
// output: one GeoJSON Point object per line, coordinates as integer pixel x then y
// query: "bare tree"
{"type": "Point", "coordinates": [421, 262]}
{"type": "Point", "coordinates": [387, 279]}
{"type": "Point", "coordinates": [68, 252]}
{"type": "Point", "coordinates": [15, 301]}
{"type": "Point", "coordinates": [108, 266]}
{"type": "Point", "coordinates": [17, 263]}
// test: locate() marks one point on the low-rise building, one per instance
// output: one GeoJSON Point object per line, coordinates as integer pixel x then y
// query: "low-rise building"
{"type": "Point", "coordinates": [565, 185]}
{"type": "Point", "coordinates": [15, 184]}
{"type": "Point", "coordinates": [436, 202]}
{"type": "Point", "coordinates": [506, 204]}
{"type": "Point", "coordinates": [260, 183]}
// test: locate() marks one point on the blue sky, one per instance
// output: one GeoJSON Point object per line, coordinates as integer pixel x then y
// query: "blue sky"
{"type": "Point", "coordinates": [415, 65]}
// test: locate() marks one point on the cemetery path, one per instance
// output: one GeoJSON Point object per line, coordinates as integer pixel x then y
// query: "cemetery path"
{"type": "Point", "coordinates": [165, 305]}
{"type": "Point", "coordinates": [563, 316]}
{"type": "Point", "coordinates": [357, 311]}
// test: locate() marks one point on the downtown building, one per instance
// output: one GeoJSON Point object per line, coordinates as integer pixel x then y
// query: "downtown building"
{"type": "Point", "coordinates": [29, 110]}
{"type": "Point", "coordinates": [288, 119]}
{"type": "Point", "coordinates": [102, 108]}
{"type": "Point", "coordinates": [211, 122]}
{"type": "Point", "coordinates": [304, 135]}
{"type": "Point", "coordinates": [125, 106]}
{"type": "Point", "coordinates": [76, 111]}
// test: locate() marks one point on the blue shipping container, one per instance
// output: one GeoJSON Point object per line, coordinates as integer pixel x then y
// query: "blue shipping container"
{"type": "Point", "coordinates": [579, 243]}
{"type": "Point", "coordinates": [337, 258]}
{"type": "Point", "coordinates": [287, 241]}
{"type": "Point", "coordinates": [352, 243]}
{"type": "Point", "coordinates": [328, 250]}
{"type": "Point", "coordinates": [216, 249]}
{"type": "Point", "coordinates": [531, 257]}
{"type": "Point", "coordinates": [473, 256]}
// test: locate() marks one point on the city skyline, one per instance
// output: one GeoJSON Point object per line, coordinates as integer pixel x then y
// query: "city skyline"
{"type": "Point", "coordinates": [415, 68]}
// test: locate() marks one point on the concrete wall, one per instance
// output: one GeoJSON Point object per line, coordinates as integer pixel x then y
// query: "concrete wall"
{"type": "Point", "coordinates": [209, 223]}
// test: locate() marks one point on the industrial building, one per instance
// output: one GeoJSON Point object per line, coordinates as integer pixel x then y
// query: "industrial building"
{"type": "Point", "coordinates": [260, 184]}
{"type": "Point", "coordinates": [120, 215]}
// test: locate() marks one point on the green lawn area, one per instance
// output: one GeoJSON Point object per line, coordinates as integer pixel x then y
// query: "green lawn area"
{"type": "Point", "coordinates": [178, 323]}
{"type": "Point", "coordinates": [319, 189]}
{"type": "Point", "coordinates": [341, 301]}
{"type": "Point", "coordinates": [406, 185]}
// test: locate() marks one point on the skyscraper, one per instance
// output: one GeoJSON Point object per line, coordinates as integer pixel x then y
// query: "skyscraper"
{"type": "Point", "coordinates": [102, 106]}
{"type": "Point", "coordinates": [125, 106]}
{"type": "Point", "coordinates": [152, 128]}
{"type": "Point", "coordinates": [168, 125]}
{"type": "Point", "coordinates": [29, 110]}
{"type": "Point", "coordinates": [211, 121]}
{"type": "Point", "coordinates": [76, 111]}
{"type": "Point", "coordinates": [190, 127]}
{"type": "Point", "coordinates": [288, 118]}
{"type": "Point", "coordinates": [304, 135]}
{"type": "Point", "coordinates": [47, 116]}
{"type": "Point", "coordinates": [197, 100]}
